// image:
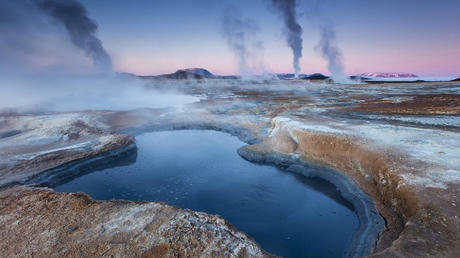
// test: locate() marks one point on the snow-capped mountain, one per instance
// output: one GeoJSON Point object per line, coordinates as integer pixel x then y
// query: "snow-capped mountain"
{"type": "Point", "coordinates": [389, 75]}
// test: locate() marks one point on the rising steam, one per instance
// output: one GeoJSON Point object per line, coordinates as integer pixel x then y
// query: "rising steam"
{"type": "Point", "coordinates": [80, 28]}
{"type": "Point", "coordinates": [328, 46]}
{"type": "Point", "coordinates": [37, 76]}
{"type": "Point", "coordinates": [240, 36]}
{"type": "Point", "coordinates": [329, 50]}
{"type": "Point", "coordinates": [293, 31]}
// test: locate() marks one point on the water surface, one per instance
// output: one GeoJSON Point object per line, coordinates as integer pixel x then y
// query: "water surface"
{"type": "Point", "coordinates": [287, 214]}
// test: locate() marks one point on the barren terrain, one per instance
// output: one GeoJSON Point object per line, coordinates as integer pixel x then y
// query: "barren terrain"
{"type": "Point", "coordinates": [400, 143]}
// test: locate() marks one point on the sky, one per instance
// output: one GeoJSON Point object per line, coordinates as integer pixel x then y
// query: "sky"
{"type": "Point", "coordinates": [154, 37]}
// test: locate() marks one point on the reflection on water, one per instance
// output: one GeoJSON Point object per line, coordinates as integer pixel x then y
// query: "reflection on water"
{"type": "Point", "coordinates": [68, 172]}
{"type": "Point", "coordinates": [289, 215]}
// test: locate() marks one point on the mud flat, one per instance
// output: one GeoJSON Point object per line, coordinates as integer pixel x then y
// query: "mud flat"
{"type": "Point", "coordinates": [410, 170]}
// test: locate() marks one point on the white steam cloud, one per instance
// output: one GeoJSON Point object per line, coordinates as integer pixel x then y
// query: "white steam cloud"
{"type": "Point", "coordinates": [329, 50]}
{"type": "Point", "coordinates": [65, 93]}
{"type": "Point", "coordinates": [241, 37]}
{"type": "Point", "coordinates": [40, 40]}
{"type": "Point", "coordinates": [328, 45]}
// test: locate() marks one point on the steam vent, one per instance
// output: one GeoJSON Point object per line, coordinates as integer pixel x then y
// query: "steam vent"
{"type": "Point", "coordinates": [276, 128]}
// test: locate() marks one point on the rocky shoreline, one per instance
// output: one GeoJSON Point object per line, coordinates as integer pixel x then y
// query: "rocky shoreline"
{"type": "Point", "coordinates": [371, 224]}
{"type": "Point", "coordinates": [41, 222]}
{"type": "Point", "coordinates": [364, 240]}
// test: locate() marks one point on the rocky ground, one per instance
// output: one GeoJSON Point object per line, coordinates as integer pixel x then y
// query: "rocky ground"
{"type": "Point", "coordinates": [40, 222]}
{"type": "Point", "coordinates": [399, 142]}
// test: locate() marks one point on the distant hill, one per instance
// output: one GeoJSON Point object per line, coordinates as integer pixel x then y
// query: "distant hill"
{"type": "Point", "coordinates": [314, 76]}
{"type": "Point", "coordinates": [201, 73]}
{"type": "Point", "coordinates": [126, 75]}
{"type": "Point", "coordinates": [282, 76]}
{"type": "Point", "coordinates": [389, 75]}
{"type": "Point", "coordinates": [456, 80]}
{"type": "Point", "coordinates": [190, 73]}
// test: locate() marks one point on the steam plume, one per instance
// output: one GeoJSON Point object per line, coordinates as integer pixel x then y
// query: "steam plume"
{"type": "Point", "coordinates": [80, 28]}
{"type": "Point", "coordinates": [239, 33]}
{"type": "Point", "coordinates": [293, 31]}
{"type": "Point", "coordinates": [328, 48]}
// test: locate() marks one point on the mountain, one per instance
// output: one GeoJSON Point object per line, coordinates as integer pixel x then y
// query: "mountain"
{"type": "Point", "coordinates": [456, 80]}
{"type": "Point", "coordinates": [314, 76]}
{"type": "Point", "coordinates": [189, 73]}
{"type": "Point", "coordinates": [126, 75]}
{"type": "Point", "coordinates": [283, 76]}
{"type": "Point", "coordinates": [389, 75]}
{"type": "Point", "coordinates": [201, 73]}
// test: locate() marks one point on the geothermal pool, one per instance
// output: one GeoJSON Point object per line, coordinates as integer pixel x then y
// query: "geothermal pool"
{"type": "Point", "coordinates": [288, 215]}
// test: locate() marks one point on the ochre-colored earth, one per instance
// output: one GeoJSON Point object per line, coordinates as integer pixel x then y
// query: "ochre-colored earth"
{"type": "Point", "coordinates": [399, 142]}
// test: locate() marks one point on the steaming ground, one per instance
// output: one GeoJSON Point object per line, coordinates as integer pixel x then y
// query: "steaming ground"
{"type": "Point", "coordinates": [76, 93]}
{"type": "Point", "coordinates": [399, 142]}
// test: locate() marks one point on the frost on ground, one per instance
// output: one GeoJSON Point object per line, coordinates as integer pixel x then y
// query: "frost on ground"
{"type": "Point", "coordinates": [399, 142]}
{"type": "Point", "coordinates": [41, 142]}
{"type": "Point", "coordinates": [439, 148]}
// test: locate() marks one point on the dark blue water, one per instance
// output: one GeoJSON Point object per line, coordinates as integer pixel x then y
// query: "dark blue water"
{"type": "Point", "coordinates": [288, 215]}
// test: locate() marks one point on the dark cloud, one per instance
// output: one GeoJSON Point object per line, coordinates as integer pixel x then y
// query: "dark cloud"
{"type": "Point", "coordinates": [80, 27]}
{"type": "Point", "coordinates": [286, 10]}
